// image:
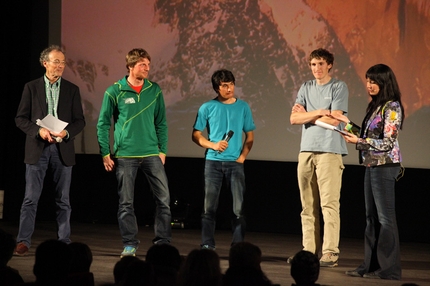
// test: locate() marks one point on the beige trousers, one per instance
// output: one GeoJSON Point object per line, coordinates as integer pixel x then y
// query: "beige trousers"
{"type": "Point", "coordinates": [320, 181]}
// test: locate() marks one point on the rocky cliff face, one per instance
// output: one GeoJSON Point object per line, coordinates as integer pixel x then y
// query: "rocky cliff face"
{"type": "Point", "coordinates": [396, 33]}
{"type": "Point", "coordinates": [266, 44]}
{"type": "Point", "coordinates": [242, 36]}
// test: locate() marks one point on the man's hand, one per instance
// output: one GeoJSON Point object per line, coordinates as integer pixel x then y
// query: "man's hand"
{"type": "Point", "coordinates": [61, 134]}
{"type": "Point", "coordinates": [58, 137]}
{"type": "Point", "coordinates": [298, 108]}
{"type": "Point", "coordinates": [200, 140]}
{"type": "Point", "coordinates": [241, 159]}
{"type": "Point", "coordinates": [162, 158]}
{"type": "Point", "coordinates": [220, 146]}
{"type": "Point", "coordinates": [108, 163]}
{"type": "Point", "coordinates": [45, 134]}
{"type": "Point", "coordinates": [299, 115]}
{"type": "Point", "coordinates": [339, 117]}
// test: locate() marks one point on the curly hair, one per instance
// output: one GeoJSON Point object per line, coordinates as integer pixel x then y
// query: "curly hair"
{"type": "Point", "coordinates": [322, 54]}
{"type": "Point", "coordinates": [134, 56]}
{"type": "Point", "coordinates": [44, 55]}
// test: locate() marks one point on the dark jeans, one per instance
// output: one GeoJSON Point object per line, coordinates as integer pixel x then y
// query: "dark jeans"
{"type": "Point", "coordinates": [234, 175]}
{"type": "Point", "coordinates": [381, 242]}
{"type": "Point", "coordinates": [34, 177]}
{"type": "Point", "coordinates": [153, 169]}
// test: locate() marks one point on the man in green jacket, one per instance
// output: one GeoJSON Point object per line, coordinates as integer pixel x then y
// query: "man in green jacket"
{"type": "Point", "coordinates": [140, 142]}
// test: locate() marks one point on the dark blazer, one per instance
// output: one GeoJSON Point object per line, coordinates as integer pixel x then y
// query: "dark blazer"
{"type": "Point", "coordinates": [33, 106]}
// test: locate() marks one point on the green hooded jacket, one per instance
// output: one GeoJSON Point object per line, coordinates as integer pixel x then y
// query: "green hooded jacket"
{"type": "Point", "coordinates": [140, 126]}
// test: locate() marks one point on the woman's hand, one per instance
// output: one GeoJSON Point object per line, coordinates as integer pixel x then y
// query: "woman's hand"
{"type": "Point", "coordinates": [350, 138]}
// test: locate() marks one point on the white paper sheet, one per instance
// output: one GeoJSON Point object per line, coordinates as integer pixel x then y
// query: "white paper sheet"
{"type": "Point", "coordinates": [52, 123]}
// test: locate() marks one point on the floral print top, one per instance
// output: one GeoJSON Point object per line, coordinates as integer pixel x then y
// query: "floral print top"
{"type": "Point", "coordinates": [378, 144]}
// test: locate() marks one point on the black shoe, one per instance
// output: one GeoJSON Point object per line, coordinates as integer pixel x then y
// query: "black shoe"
{"type": "Point", "coordinates": [371, 275]}
{"type": "Point", "coordinates": [159, 240]}
{"type": "Point", "coordinates": [353, 273]}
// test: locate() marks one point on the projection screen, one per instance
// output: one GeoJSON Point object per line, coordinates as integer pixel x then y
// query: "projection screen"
{"type": "Point", "coordinates": [265, 44]}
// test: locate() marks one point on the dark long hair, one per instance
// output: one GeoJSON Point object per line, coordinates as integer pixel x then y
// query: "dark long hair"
{"type": "Point", "coordinates": [389, 90]}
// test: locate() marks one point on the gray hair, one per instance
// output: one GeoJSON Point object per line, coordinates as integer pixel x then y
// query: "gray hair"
{"type": "Point", "coordinates": [44, 55]}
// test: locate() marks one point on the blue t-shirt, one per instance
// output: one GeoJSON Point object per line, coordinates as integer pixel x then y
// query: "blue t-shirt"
{"type": "Point", "coordinates": [219, 118]}
{"type": "Point", "coordinates": [333, 96]}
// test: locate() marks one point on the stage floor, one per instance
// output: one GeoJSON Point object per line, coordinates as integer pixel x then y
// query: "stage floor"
{"type": "Point", "coordinates": [105, 243]}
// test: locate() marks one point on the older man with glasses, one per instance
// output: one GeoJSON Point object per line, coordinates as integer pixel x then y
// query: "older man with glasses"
{"type": "Point", "coordinates": [49, 94]}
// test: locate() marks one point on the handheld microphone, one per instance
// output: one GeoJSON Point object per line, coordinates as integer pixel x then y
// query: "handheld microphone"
{"type": "Point", "coordinates": [227, 137]}
{"type": "Point", "coordinates": [58, 139]}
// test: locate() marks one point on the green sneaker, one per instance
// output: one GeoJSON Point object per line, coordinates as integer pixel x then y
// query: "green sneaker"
{"type": "Point", "coordinates": [129, 251]}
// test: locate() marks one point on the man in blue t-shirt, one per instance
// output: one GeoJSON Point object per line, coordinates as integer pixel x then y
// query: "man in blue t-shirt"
{"type": "Point", "coordinates": [225, 118]}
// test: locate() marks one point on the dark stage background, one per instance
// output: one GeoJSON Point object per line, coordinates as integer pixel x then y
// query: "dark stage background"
{"type": "Point", "coordinates": [272, 198]}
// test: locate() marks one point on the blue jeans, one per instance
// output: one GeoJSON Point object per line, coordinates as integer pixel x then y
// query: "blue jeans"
{"type": "Point", "coordinates": [34, 177]}
{"type": "Point", "coordinates": [381, 241]}
{"type": "Point", "coordinates": [153, 169]}
{"type": "Point", "coordinates": [234, 175]}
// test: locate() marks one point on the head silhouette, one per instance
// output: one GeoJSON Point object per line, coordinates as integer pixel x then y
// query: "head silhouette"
{"type": "Point", "coordinates": [52, 262]}
{"type": "Point", "coordinates": [305, 268]}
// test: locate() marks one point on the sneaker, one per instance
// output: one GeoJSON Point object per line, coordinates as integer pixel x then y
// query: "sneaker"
{"type": "Point", "coordinates": [159, 240]}
{"type": "Point", "coordinates": [329, 259]}
{"type": "Point", "coordinates": [129, 251]}
{"type": "Point", "coordinates": [353, 273]}
{"type": "Point", "coordinates": [205, 246]}
{"type": "Point", "coordinates": [371, 275]}
{"type": "Point", "coordinates": [21, 249]}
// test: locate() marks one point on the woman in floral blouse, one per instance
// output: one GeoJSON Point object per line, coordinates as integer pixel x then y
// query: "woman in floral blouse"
{"type": "Point", "coordinates": [380, 154]}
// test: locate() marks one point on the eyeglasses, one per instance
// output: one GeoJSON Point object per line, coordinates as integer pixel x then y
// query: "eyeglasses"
{"type": "Point", "coordinates": [58, 63]}
{"type": "Point", "coordinates": [227, 85]}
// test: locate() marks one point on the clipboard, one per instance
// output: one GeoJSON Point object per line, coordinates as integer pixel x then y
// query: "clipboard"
{"type": "Point", "coordinates": [342, 132]}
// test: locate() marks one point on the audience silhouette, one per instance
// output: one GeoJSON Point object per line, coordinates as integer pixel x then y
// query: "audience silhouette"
{"type": "Point", "coordinates": [8, 275]}
{"type": "Point", "coordinates": [138, 273]}
{"type": "Point", "coordinates": [201, 267]}
{"type": "Point", "coordinates": [245, 254]}
{"type": "Point", "coordinates": [81, 259]}
{"type": "Point", "coordinates": [166, 262]}
{"type": "Point", "coordinates": [58, 263]}
{"type": "Point", "coordinates": [121, 266]}
{"type": "Point", "coordinates": [245, 266]}
{"type": "Point", "coordinates": [305, 268]}
{"type": "Point", "coordinates": [52, 263]}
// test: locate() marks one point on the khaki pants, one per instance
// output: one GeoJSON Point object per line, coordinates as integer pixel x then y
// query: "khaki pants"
{"type": "Point", "coordinates": [320, 181]}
